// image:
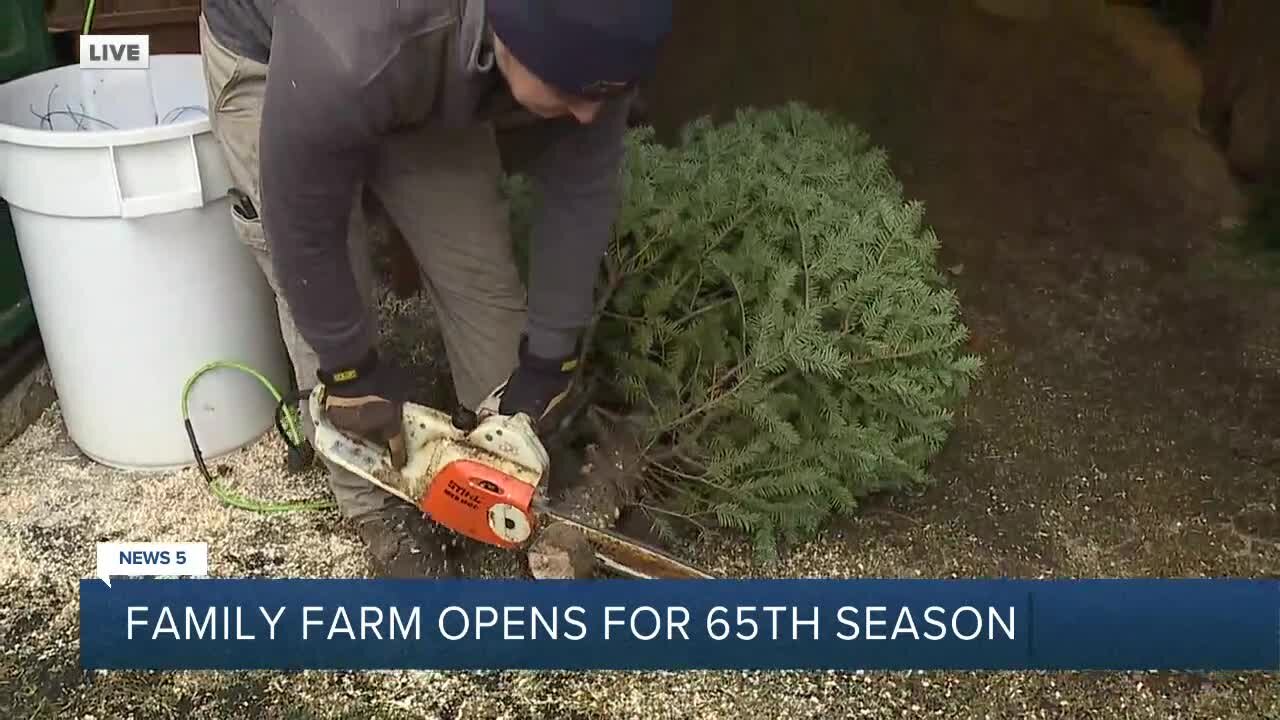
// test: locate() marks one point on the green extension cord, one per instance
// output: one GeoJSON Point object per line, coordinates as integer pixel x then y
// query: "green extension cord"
{"type": "Point", "coordinates": [89, 10]}
{"type": "Point", "coordinates": [290, 430]}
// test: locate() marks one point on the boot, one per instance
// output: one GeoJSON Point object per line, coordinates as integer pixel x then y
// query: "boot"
{"type": "Point", "coordinates": [403, 543]}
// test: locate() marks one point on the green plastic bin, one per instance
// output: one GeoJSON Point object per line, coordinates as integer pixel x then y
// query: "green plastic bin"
{"type": "Point", "coordinates": [25, 48]}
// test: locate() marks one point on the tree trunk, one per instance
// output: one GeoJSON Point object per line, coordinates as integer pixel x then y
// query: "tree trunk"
{"type": "Point", "coordinates": [594, 492]}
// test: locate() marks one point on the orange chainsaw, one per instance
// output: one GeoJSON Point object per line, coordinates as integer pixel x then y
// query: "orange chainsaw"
{"type": "Point", "coordinates": [482, 479]}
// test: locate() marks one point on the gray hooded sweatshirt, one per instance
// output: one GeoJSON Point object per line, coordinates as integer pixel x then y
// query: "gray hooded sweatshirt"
{"type": "Point", "coordinates": [341, 74]}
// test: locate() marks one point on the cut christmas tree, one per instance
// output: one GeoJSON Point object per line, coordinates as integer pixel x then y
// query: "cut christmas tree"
{"type": "Point", "coordinates": [774, 334]}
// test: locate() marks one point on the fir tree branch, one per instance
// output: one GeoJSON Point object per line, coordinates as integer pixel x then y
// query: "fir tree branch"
{"type": "Point", "coordinates": [737, 293]}
{"type": "Point", "coordinates": [701, 480]}
{"type": "Point", "coordinates": [704, 309]}
{"type": "Point", "coordinates": [693, 299]}
{"type": "Point", "coordinates": [677, 472]}
{"type": "Point", "coordinates": [711, 403]}
{"type": "Point", "coordinates": [674, 452]}
{"type": "Point", "coordinates": [671, 513]}
{"type": "Point", "coordinates": [900, 355]}
{"type": "Point", "coordinates": [804, 256]}
{"type": "Point", "coordinates": [687, 386]}
{"type": "Point", "coordinates": [682, 490]}
{"type": "Point", "coordinates": [694, 435]}
{"type": "Point", "coordinates": [623, 318]}
{"type": "Point", "coordinates": [608, 415]}
{"type": "Point", "coordinates": [640, 250]}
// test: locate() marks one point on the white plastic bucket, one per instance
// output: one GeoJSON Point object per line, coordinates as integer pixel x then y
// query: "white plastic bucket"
{"type": "Point", "coordinates": [137, 277]}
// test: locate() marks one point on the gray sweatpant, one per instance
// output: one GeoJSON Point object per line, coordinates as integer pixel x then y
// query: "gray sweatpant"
{"type": "Point", "coordinates": [441, 189]}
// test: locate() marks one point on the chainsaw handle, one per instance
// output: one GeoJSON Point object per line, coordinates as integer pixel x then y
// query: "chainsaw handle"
{"type": "Point", "coordinates": [512, 438]}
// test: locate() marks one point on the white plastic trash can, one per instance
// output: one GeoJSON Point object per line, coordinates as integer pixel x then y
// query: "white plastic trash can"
{"type": "Point", "coordinates": [119, 197]}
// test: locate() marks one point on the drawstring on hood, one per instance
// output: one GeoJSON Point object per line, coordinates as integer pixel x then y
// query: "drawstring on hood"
{"type": "Point", "coordinates": [476, 38]}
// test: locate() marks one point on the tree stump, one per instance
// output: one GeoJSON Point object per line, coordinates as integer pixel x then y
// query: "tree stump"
{"type": "Point", "coordinates": [594, 493]}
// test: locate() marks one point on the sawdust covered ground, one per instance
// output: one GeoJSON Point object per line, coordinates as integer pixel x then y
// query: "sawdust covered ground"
{"type": "Point", "coordinates": [54, 506]}
{"type": "Point", "coordinates": [1125, 427]}
{"type": "Point", "coordinates": [49, 522]}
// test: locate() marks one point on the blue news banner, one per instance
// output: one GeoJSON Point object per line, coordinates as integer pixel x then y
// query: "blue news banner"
{"type": "Point", "coordinates": [150, 624]}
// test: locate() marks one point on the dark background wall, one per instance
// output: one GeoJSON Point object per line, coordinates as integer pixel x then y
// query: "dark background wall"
{"type": "Point", "coordinates": [171, 24]}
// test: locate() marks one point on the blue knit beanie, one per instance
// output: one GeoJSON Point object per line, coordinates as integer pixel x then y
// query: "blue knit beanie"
{"type": "Point", "coordinates": [588, 48]}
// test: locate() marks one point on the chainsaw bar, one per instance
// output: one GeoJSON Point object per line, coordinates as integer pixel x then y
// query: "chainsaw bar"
{"type": "Point", "coordinates": [625, 556]}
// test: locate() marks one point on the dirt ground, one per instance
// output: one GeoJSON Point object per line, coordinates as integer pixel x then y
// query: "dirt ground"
{"type": "Point", "coordinates": [1125, 424]}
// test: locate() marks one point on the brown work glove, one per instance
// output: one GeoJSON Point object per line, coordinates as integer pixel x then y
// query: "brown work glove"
{"type": "Point", "coordinates": [367, 400]}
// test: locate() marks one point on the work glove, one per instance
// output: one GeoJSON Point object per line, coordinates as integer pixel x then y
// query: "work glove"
{"type": "Point", "coordinates": [367, 400]}
{"type": "Point", "coordinates": [536, 388]}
